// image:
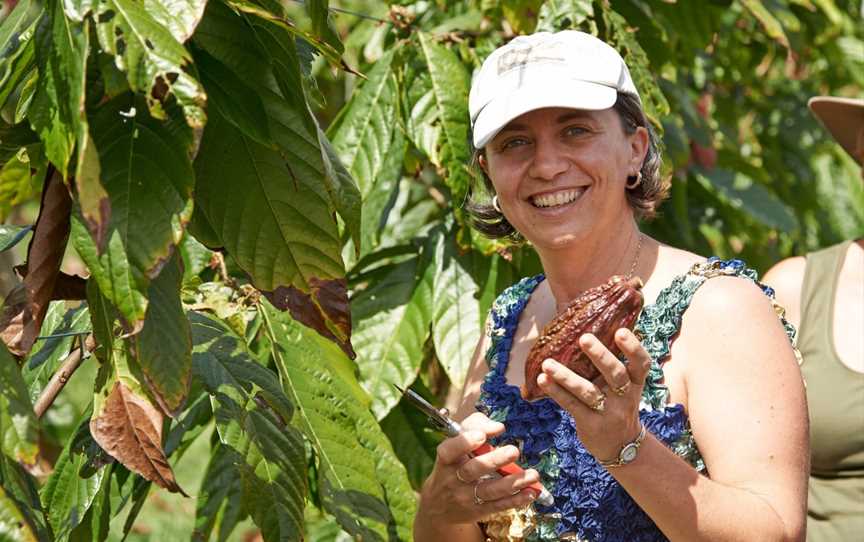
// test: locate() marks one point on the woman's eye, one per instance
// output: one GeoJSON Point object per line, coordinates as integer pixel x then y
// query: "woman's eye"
{"type": "Point", "coordinates": [514, 142]}
{"type": "Point", "coordinates": [575, 130]}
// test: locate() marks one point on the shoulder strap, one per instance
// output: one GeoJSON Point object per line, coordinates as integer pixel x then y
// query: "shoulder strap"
{"type": "Point", "coordinates": [818, 290]}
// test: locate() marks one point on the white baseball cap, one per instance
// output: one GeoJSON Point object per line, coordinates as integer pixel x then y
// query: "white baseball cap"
{"type": "Point", "coordinates": [563, 69]}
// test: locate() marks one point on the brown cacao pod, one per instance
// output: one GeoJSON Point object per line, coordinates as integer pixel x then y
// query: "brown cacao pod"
{"type": "Point", "coordinates": [601, 311]}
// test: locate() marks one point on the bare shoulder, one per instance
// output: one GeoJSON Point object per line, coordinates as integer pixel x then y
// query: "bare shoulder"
{"type": "Point", "coordinates": [786, 278]}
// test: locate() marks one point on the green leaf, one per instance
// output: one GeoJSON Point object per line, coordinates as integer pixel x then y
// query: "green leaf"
{"type": "Point", "coordinates": [558, 15]}
{"type": "Point", "coordinates": [80, 473]}
{"type": "Point", "coordinates": [236, 101]}
{"type": "Point", "coordinates": [149, 178]}
{"type": "Point", "coordinates": [362, 483]}
{"type": "Point", "coordinates": [21, 515]}
{"type": "Point", "coordinates": [391, 324]}
{"type": "Point", "coordinates": [58, 114]}
{"type": "Point", "coordinates": [252, 414]}
{"type": "Point", "coordinates": [457, 320]}
{"type": "Point", "coordinates": [322, 26]}
{"type": "Point", "coordinates": [219, 505]}
{"type": "Point", "coordinates": [271, 218]}
{"type": "Point", "coordinates": [164, 346]}
{"type": "Point", "coordinates": [772, 26]}
{"type": "Point", "coordinates": [196, 257]}
{"type": "Point", "coordinates": [12, 235]}
{"type": "Point", "coordinates": [623, 38]}
{"type": "Point", "coordinates": [741, 192]}
{"type": "Point", "coordinates": [438, 122]}
{"type": "Point", "coordinates": [16, 44]}
{"type": "Point", "coordinates": [155, 63]}
{"type": "Point", "coordinates": [522, 14]}
{"type": "Point", "coordinates": [180, 17]}
{"type": "Point", "coordinates": [18, 424]}
{"type": "Point", "coordinates": [48, 354]}
{"type": "Point", "coordinates": [371, 146]}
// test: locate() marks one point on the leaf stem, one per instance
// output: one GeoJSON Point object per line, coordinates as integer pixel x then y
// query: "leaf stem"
{"type": "Point", "coordinates": [62, 376]}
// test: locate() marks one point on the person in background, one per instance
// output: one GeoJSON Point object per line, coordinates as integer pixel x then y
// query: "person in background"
{"type": "Point", "coordinates": [699, 431]}
{"type": "Point", "coordinates": [823, 293]}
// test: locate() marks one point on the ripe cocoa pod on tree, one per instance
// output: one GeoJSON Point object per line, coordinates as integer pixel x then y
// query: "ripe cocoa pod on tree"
{"type": "Point", "coordinates": [601, 311]}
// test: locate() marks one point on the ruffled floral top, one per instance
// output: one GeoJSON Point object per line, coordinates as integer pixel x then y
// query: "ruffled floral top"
{"type": "Point", "coordinates": [590, 505]}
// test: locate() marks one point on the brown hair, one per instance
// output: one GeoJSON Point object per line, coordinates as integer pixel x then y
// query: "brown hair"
{"type": "Point", "coordinates": [643, 199]}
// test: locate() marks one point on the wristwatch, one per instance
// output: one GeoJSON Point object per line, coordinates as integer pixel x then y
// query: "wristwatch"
{"type": "Point", "coordinates": [627, 453]}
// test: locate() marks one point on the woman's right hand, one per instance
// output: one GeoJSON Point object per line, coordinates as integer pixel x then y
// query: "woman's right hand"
{"type": "Point", "coordinates": [458, 492]}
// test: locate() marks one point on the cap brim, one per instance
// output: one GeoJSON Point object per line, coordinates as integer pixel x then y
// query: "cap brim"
{"type": "Point", "coordinates": [843, 117]}
{"type": "Point", "coordinates": [574, 95]}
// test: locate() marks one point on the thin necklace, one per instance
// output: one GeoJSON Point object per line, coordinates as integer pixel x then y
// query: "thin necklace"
{"type": "Point", "coordinates": [635, 258]}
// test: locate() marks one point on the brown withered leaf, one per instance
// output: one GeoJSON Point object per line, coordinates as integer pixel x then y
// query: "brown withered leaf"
{"type": "Point", "coordinates": [129, 429]}
{"type": "Point", "coordinates": [324, 309]}
{"type": "Point", "coordinates": [44, 256]}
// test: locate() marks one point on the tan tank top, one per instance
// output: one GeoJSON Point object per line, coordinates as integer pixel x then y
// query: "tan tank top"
{"type": "Point", "coordinates": [835, 396]}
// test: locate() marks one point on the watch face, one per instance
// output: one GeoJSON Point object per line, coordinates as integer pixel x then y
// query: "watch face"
{"type": "Point", "coordinates": [628, 454]}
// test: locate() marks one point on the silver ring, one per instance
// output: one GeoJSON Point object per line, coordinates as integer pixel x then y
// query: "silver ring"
{"type": "Point", "coordinates": [477, 500]}
{"type": "Point", "coordinates": [463, 480]}
{"type": "Point", "coordinates": [600, 404]}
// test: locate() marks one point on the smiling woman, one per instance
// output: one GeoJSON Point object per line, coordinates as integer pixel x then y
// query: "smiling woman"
{"type": "Point", "coordinates": [642, 451]}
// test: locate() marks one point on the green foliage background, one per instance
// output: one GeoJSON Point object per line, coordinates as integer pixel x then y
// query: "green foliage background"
{"type": "Point", "coordinates": [262, 190]}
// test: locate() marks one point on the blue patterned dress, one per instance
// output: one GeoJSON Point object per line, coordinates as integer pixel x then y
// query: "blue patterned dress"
{"type": "Point", "coordinates": [590, 505]}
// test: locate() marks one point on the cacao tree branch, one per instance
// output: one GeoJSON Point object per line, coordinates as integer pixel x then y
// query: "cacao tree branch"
{"type": "Point", "coordinates": [62, 376]}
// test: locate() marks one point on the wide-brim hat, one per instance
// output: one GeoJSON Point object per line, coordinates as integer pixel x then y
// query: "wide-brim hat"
{"type": "Point", "coordinates": [843, 117]}
{"type": "Point", "coordinates": [569, 69]}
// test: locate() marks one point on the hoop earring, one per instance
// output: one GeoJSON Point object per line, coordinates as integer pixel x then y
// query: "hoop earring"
{"type": "Point", "coordinates": [630, 185]}
{"type": "Point", "coordinates": [495, 204]}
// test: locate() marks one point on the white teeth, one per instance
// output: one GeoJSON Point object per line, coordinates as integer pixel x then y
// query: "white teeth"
{"type": "Point", "coordinates": [558, 198]}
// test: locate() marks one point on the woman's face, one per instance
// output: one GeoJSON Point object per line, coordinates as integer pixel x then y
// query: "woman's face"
{"type": "Point", "coordinates": [559, 173]}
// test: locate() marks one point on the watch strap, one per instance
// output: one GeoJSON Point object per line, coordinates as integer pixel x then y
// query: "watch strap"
{"type": "Point", "coordinates": [620, 460]}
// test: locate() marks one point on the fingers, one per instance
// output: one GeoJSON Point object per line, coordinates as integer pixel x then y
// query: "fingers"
{"type": "Point", "coordinates": [500, 493]}
{"type": "Point", "coordinates": [566, 387]}
{"type": "Point", "coordinates": [618, 375]}
{"type": "Point", "coordinates": [486, 464]}
{"type": "Point", "coordinates": [639, 359]}
{"type": "Point", "coordinates": [476, 429]}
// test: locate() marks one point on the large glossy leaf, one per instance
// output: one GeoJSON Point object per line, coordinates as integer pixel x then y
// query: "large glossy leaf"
{"type": "Point", "coordinates": [361, 482]}
{"type": "Point", "coordinates": [57, 115]}
{"type": "Point", "coordinates": [79, 474]}
{"type": "Point", "coordinates": [252, 416]}
{"type": "Point", "coordinates": [155, 62]}
{"type": "Point", "coordinates": [219, 505]}
{"type": "Point", "coordinates": [18, 424]}
{"type": "Point", "coordinates": [16, 46]}
{"type": "Point", "coordinates": [438, 121]}
{"type": "Point", "coordinates": [164, 347]}
{"type": "Point", "coordinates": [180, 17]}
{"type": "Point", "coordinates": [371, 145]}
{"type": "Point", "coordinates": [392, 324]}
{"type": "Point", "coordinates": [149, 179]}
{"type": "Point", "coordinates": [21, 515]}
{"type": "Point", "coordinates": [457, 319]}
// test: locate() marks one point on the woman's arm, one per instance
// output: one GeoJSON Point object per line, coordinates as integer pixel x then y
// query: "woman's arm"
{"type": "Point", "coordinates": [746, 405]}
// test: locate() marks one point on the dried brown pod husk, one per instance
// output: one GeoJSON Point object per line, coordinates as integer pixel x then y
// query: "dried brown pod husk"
{"type": "Point", "coordinates": [600, 311]}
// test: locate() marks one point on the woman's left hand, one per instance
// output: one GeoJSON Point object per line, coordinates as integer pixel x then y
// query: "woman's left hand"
{"type": "Point", "coordinates": [606, 411]}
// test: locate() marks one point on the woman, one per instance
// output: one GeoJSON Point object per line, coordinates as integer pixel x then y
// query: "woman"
{"type": "Point", "coordinates": [564, 144]}
{"type": "Point", "coordinates": [824, 295]}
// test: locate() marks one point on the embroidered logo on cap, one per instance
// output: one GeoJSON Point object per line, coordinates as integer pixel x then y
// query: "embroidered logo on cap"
{"type": "Point", "coordinates": [529, 54]}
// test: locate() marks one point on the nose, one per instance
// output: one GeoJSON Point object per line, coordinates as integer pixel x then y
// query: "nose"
{"type": "Point", "coordinates": [548, 161]}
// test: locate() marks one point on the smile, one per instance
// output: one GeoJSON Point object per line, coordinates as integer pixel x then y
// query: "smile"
{"type": "Point", "coordinates": [557, 198]}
